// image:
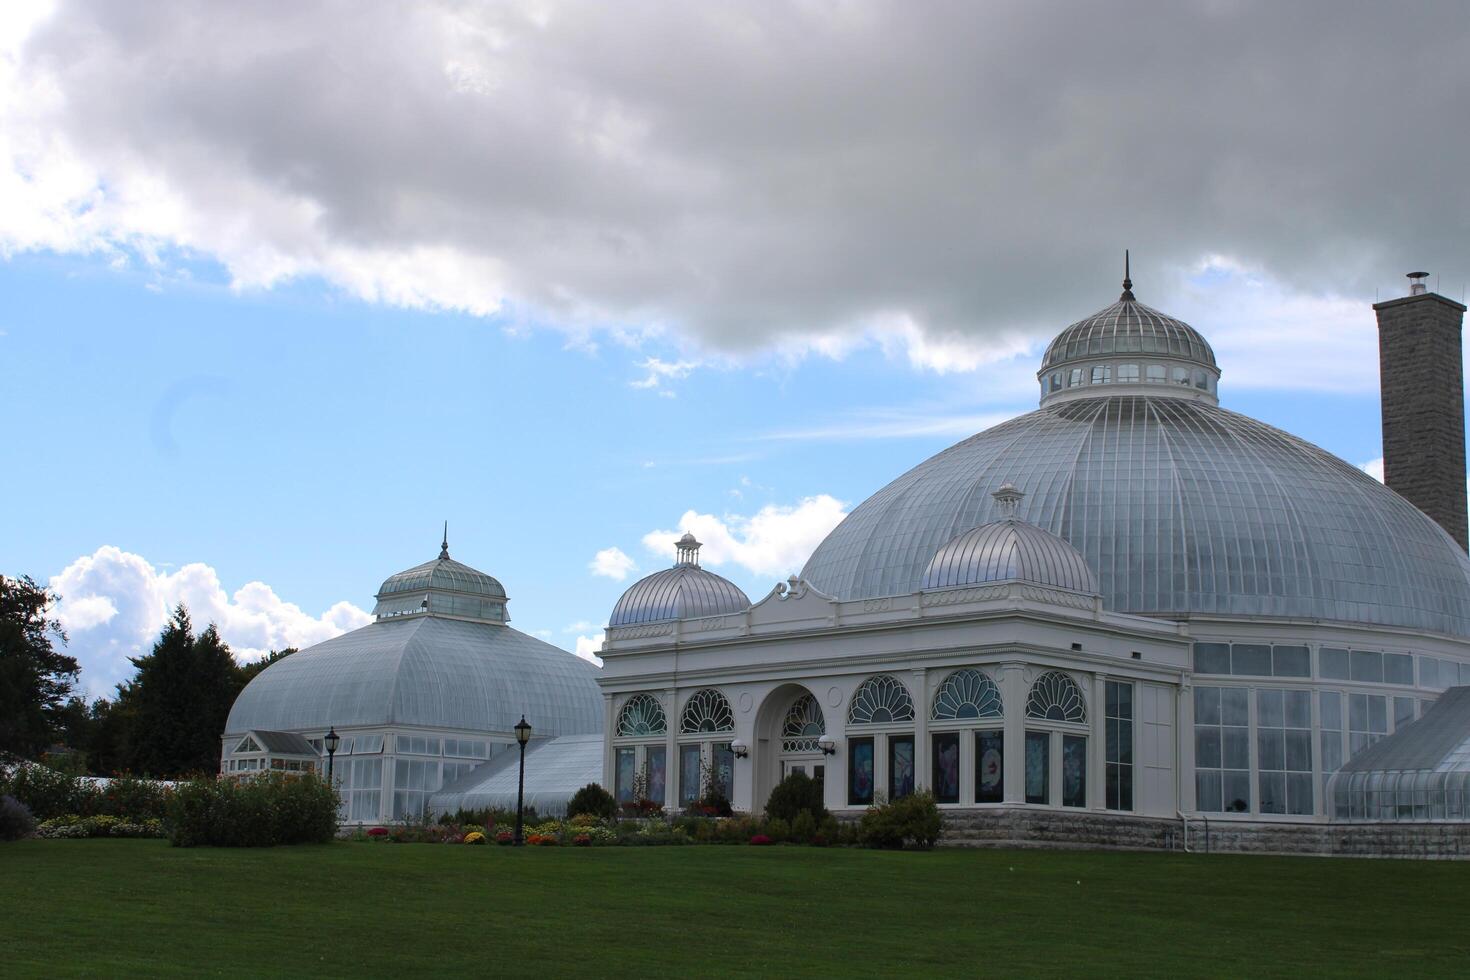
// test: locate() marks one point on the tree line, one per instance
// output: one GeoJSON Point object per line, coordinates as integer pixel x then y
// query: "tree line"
{"type": "Point", "coordinates": [165, 721]}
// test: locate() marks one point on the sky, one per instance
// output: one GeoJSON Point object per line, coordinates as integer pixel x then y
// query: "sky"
{"type": "Point", "coordinates": [285, 286]}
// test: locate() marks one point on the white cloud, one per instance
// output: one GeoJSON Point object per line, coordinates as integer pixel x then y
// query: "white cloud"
{"type": "Point", "coordinates": [875, 182]}
{"type": "Point", "coordinates": [774, 541]}
{"type": "Point", "coordinates": [587, 648]}
{"type": "Point", "coordinates": [895, 425]}
{"type": "Point", "coordinates": [581, 626]}
{"type": "Point", "coordinates": [612, 563]}
{"type": "Point", "coordinates": [114, 603]}
{"type": "Point", "coordinates": [1374, 468]}
{"type": "Point", "coordinates": [660, 371]}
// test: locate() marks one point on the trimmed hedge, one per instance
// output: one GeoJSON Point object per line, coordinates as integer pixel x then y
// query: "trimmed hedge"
{"type": "Point", "coordinates": [269, 809]}
{"type": "Point", "coordinates": [592, 799]}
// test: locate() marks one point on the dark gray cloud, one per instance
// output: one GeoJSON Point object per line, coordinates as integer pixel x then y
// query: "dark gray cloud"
{"type": "Point", "coordinates": [748, 173]}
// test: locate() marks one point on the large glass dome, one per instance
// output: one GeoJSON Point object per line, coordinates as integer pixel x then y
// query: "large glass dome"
{"type": "Point", "coordinates": [1180, 507]}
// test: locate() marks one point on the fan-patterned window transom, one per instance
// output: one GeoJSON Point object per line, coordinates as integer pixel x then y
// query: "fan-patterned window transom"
{"type": "Point", "coordinates": [642, 715]}
{"type": "Point", "coordinates": [880, 699]}
{"type": "Point", "coordinates": [1056, 697]}
{"type": "Point", "coordinates": [706, 710]}
{"type": "Point", "coordinates": [967, 693]}
{"type": "Point", "coordinates": [804, 725]}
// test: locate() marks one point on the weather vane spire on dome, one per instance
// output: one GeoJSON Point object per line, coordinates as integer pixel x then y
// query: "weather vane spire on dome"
{"type": "Point", "coordinates": [1006, 499]}
{"type": "Point", "coordinates": [444, 546]}
{"type": "Point", "coordinates": [1127, 281]}
{"type": "Point", "coordinates": [688, 549]}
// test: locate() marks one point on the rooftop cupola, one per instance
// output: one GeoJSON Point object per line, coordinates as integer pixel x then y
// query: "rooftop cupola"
{"type": "Point", "coordinates": [442, 587]}
{"type": "Point", "coordinates": [1008, 550]}
{"type": "Point", "coordinates": [1128, 349]}
{"type": "Point", "coordinates": [685, 591]}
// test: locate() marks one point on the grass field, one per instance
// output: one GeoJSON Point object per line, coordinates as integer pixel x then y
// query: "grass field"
{"type": "Point", "coordinates": [110, 907]}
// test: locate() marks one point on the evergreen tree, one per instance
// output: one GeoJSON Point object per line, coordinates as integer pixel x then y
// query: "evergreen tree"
{"type": "Point", "coordinates": [175, 707]}
{"type": "Point", "coordinates": [35, 679]}
{"type": "Point", "coordinates": [248, 672]}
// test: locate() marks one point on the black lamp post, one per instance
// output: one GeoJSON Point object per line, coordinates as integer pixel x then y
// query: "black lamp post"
{"type": "Point", "coordinates": [523, 735]}
{"type": "Point", "coordinates": [332, 740]}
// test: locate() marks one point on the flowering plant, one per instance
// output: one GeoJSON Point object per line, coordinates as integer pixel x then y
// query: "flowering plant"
{"type": "Point", "coordinates": [505, 837]}
{"type": "Point", "coordinates": [378, 832]}
{"type": "Point", "coordinates": [760, 839]}
{"type": "Point", "coordinates": [474, 837]}
{"type": "Point", "coordinates": [542, 840]}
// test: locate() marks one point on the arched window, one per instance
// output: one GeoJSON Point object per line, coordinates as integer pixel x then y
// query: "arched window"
{"type": "Point", "coordinates": [642, 715]}
{"type": "Point", "coordinates": [1056, 697]}
{"type": "Point", "coordinates": [967, 693]}
{"type": "Point", "coordinates": [706, 710]}
{"type": "Point", "coordinates": [880, 699]}
{"type": "Point", "coordinates": [804, 725]}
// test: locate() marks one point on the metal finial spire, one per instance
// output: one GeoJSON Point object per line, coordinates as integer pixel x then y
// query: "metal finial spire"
{"type": "Point", "coordinates": [444, 547]}
{"type": "Point", "coordinates": [1127, 280]}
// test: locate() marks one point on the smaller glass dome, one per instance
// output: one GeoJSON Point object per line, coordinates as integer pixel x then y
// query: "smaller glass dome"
{"type": "Point", "coordinates": [443, 586]}
{"type": "Point", "coordinates": [1009, 550]}
{"type": "Point", "coordinates": [685, 591]}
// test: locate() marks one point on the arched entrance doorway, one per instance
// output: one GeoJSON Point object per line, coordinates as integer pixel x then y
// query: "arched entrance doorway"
{"type": "Point", "coordinates": [788, 728]}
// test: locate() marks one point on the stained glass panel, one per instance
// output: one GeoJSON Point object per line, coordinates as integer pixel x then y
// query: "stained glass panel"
{"type": "Point", "coordinates": [860, 771]}
{"type": "Point", "coordinates": [900, 767]}
{"type": "Point", "coordinates": [989, 761]}
{"type": "Point", "coordinates": [947, 767]}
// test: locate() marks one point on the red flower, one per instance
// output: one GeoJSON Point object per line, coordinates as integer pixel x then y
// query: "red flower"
{"type": "Point", "coordinates": [760, 839]}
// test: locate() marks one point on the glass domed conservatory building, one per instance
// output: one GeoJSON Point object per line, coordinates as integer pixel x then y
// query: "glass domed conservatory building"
{"type": "Point", "coordinates": [422, 697]}
{"type": "Point", "coordinates": [1130, 601]}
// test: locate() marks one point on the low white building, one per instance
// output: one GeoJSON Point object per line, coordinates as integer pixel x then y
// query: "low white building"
{"type": "Point", "coordinates": [1130, 601]}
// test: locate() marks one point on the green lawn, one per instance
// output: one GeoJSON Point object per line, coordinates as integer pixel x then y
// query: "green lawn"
{"type": "Point", "coordinates": [109, 907]}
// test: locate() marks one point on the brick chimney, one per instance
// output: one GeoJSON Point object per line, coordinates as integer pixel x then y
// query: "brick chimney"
{"type": "Point", "coordinates": [1420, 373]}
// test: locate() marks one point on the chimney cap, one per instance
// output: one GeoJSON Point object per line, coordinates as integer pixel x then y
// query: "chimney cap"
{"type": "Point", "coordinates": [1418, 275]}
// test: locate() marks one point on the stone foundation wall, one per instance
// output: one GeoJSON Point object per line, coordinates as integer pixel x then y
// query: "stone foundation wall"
{"type": "Point", "coordinates": [1037, 828]}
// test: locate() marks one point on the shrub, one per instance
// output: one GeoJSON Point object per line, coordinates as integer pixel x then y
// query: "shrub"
{"type": "Point", "coordinates": [48, 793]}
{"type": "Point", "coordinates": [378, 832]}
{"type": "Point", "coordinates": [795, 793]}
{"type": "Point", "coordinates": [582, 840]}
{"type": "Point", "coordinates": [913, 818]}
{"type": "Point", "coordinates": [133, 799]}
{"type": "Point", "coordinates": [268, 809]}
{"type": "Point", "coordinates": [804, 827]}
{"type": "Point", "coordinates": [16, 820]}
{"type": "Point", "coordinates": [760, 839]}
{"type": "Point", "coordinates": [474, 837]}
{"type": "Point", "coordinates": [592, 800]}
{"type": "Point", "coordinates": [505, 837]}
{"type": "Point", "coordinates": [488, 817]}
{"type": "Point", "coordinates": [777, 829]}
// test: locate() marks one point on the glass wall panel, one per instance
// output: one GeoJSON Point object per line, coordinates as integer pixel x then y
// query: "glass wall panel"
{"type": "Point", "coordinates": [1398, 668]}
{"type": "Point", "coordinates": [1074, 770]}
{"type": "Point", "coordinates": [1333, 664]}
{"type": "Point", "coordinates": [1119, 748]}
{"type": "Point", "coordinates": [724, 761]}
{"type": "Point", "coordinates": [900, 766]}
{"type": "Point", "coordinates": [860, 771]}
{"type": "Point", "coordinates": [1251, 659]}
{"type": "Point", "coordinates": [623, 771]}
{"type": "Point", "coordinates": [946, 779]}
{"type": "Point", "coordinates": [689, 788]}
{"type": "Point", "coordinates": [1038, 767]}
{"type": "Point", "coordinates": [1222, 749]}
{"type": "Point", "coordinates": [1212, 658]}
{"type": "Point", "coordinates": [989, 759]}
{"type": "Point", "coordinates": [1284, 751]}
{"type": "Point", "coordinates": [1403, 712]}
{"type": "Point", "coordinates": [1367, 721]}
{"type": "Point", "coordinates": [1367, 665]}
{"type": "Point", "coordinates": [656, 765]}
{"type": "Point", "coordinates": [1291, 662]}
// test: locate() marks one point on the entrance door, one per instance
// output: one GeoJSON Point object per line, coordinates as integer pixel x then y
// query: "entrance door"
{"type": "Point", "coordinates": [815, 770]}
